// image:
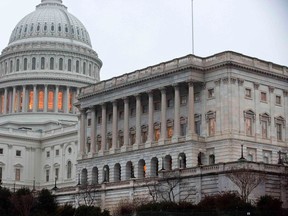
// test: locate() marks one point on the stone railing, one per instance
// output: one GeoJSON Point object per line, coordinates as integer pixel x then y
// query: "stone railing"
{"type": "Point", "coordinates": [185, 61]}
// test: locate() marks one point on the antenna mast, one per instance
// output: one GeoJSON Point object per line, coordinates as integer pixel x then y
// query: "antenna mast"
{"type": "Point", "coordinates": [192, 19]}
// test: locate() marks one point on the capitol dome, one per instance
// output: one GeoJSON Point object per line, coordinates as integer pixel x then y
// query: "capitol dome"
{"type": "Point", "coordinates": [48, 59]}
{"type": "Point", "coordinates": [51, 22]}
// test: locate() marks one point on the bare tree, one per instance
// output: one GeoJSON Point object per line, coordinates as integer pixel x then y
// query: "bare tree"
{"type": "Point", "coordinates": [87, 194]}
{"type": "Point", "coordinates": [246, 180]}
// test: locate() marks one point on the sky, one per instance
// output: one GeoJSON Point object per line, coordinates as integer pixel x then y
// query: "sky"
{"type": "Point", "coordinates": [129, 35]}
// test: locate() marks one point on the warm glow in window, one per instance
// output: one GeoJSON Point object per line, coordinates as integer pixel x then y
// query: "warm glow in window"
{"type": "Point", "coordinates": [21, 101]}
{"type": "Point", "coordinates": [2, 103]}
{"type": "Point", "coordinates": [70, 101]}
{"type": "Point", "coordinates": [31, 95]}
{"type": "Point", "coordinates": [50, 100]}
{"type": "Point", "coordinates": [60, 100]}
{"type": "Point", "coordinates": [157, 134]}
{"type": "Point", "coordinates": [15, 102]}
{"type": "Point", "coordinates": [211, 127]}
{"type": "Point", "coordinates": [169, 132]}
{"type": "Point", "coordinates": [41, 100]}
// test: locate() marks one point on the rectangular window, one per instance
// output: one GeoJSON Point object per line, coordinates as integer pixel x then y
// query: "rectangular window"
{"type": "Point", "coordinates": [169, 103]}
{"type": "Point", "coordinates": [60, 101]}
{"type": "Point", "coordinates": [156, 106]}
{"type": "Point", "coordinates": [248, 93]}
{"type": "Point", "coordinates": [279, 131]}
{"type": "Point", "coordinates": [1, 173]}
{"type": "Point", "coordinates": [1, 151]}
{"type": "Point", "coordinates": [56, 173]}
{"type": "Point", "coordinates": [89, 122]}
{"type": "Point", "coordinates": [156, 134]}
{"type": "Point", "coordinates": [248, 124]}
{"type": "Point", "coordinates": [278, 100]}
{"type": "Point", "coordinates": [132, 112]}
{"type": "Point", "coordinates": [169, 132]}
{"type": "Point", "coordinates": [211, 93]}
{"type": "Point", "coordinates": [17, 174]}
{"type": "Point", "coordinates": [264, 129]}
{"type": "Point", "coordinates": [31, 100]}
{"type": "Point", "coordinates": [183, 100]}
{"type": "Point", "coordinates": [211, 127]}
{"type": "Point", "coordinates": [50, 100]}
{"type": "Point", "coordinates": [197, 96]}
{"type": "Point", "coordinates": [57, 152]}
{"type": "Point", "coordinates": [197, 127]}
{"type": "Point", "coordinates": [145, 108]}
{"type": "Point", "coordinates": [263, 96]}
{"type": "Point", "coordinates": [41, 100]}
{"type": "Point", "coordinates": [99, 120]}
{"type": "Point", "coordinates": [47, 175]}
{"type": "Point", "coordinates": [183, 128]}
{"type": "Point", "coordinates": [18, 153]}
{"type": "Point", "coordinates": [110, 117]}
{"type": "Point", "coordinates": [48, 154]}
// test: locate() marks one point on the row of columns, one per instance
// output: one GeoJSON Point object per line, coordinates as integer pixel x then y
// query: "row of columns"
{"type": "Point", "coordinates": [9, 104]}
{"type": "Point", "coordinates": [150, 138]}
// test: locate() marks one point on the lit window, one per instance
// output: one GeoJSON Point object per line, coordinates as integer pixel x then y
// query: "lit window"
{"type": "Point", "coordinates": [31, 100]}
{"type": "Point", "coordinates": [156, 134]}
{"type": "Point", "coordinates": [263, 96]}
{"type": "Point", "coordinates": [248, 93]}
{"type": "Point", "coordinates": [70, 105]}
{"type": "Point", "coordinates": [60, 100]}
{"type": "Point", "coordinates": [18, 153]}
{"type": "Point", "coordinates": [40, 100]}
{"type": "Point", "coordinates": [17, 174]}
{"type": "Point", "coordinates": [211, 127]}
{"type": "Point", "coordinates": [169, 132]}
{"type": "Point", "coordinates": [211, 93]}
{"type": "Point", "coordinates": [278, 100]}
{"type": "Point", "coordinates": [50, 100]}
{"type": "Point", "coordinates": [248, 124]}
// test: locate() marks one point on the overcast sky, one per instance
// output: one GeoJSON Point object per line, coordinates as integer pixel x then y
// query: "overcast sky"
{"type": "Point", "coordinates": [134, 34]}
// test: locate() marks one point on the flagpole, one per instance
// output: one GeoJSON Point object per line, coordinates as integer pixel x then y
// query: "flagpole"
{"type": "Point", "coordinates": [192, 19]}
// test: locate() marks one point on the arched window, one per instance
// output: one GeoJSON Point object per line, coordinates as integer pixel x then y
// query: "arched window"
{"type": "Point", "coordinates": [41, 100]}
{"type": "Point", "coordinates": [25, 64]}
{"type": "Point", "coordinates": [141, 169]}
{"type": "Point", "coordinates": [95, 175]}
{"type": "Point", "coordinates": [249, 117]}
{"type": "Point", "coordinates": [69, 170]}
{"type": "Point", "coordinates": [31, 100]}
{"type": "Point", "coordinates": [182, 161]}
{"type": "Point", "coordinates": [42, 63]}
{"type": "Point", "coordinates": [69, 65]}
{"type": "Point", "coordinates": [84, 67]}
{"type": "Point", "coordinates": [168, 162]}
{"type": "Point", "coordinates": [50, 100]}
{"type": "Point", "coordinates": [61, 64]}
{"type": "Point", "coordinates": [6, 67]}
{"type": "Point", "coordinates": [52, 63]}
{"type": "Point", "coordinates": [106, 173]}
{"type": "Point", "coordinates": [90, 70]}
{"type": "Point", "coordinates": [84, 177]}
{"type": "Point", "coordinates": [117, 172]}
{"type": "Point", "coordinates": [11, 66]}
{"type": "Point", "coordinates": [33, 63]}
{"type": "Point", "coordinates": [17, 65]}
{"type": "Point", "coordinates": [129, 170]}
{"type": "Point", "coordinates": [154, 167]}
{"type": "Point", "coordinates": [77, 66]}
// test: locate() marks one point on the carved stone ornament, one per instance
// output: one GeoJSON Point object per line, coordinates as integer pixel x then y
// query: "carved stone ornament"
{"type": "Point", "coordinates": [225, 80]}
{"type": "Point", "coordinates": [240, 82]}
{"type": "Point", "coordinates": [271, 89]}
{"type": "Point", "coordinates": [233, 80]}
{"type": "Point", "coordinates": [217, 82]}
{"type": "Point", "coordinates": [256, 85]}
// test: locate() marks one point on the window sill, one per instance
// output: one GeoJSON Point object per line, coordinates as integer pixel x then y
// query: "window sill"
{"type": "Point", "coordinates": [248, 98]}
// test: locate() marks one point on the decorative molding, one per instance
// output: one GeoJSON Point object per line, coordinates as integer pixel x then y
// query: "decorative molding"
{"type": "Point", "coordinates": [217, 82]}
{"type": "Point", "coordinates": [210, 115]}
{"type": "Point", "coordinates": [233, 80]}
{"type": "Point", "coordinates": [240, 81]}
{"type": "Point", "coordinates": [256, 85]}
{"type": "Point", "coordinates": [225, 80]}
{"type": "Point", "coordinates": [285, 93]}
{"type": "Point", "coordinates": [265, 117]}
{"type": "Point", "coordinates": [271, 89]}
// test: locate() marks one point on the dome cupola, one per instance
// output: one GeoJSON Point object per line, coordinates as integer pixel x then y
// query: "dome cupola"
{"type": "Point", "coordinates": [50, 22]}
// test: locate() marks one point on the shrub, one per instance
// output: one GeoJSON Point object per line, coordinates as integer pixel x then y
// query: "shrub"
{"type": "Point", "coordinates": [269, 203]}
{"type": "Point", "coordinates": [66, 210]}
{"type": "Point", "coordinates": [88, 211]}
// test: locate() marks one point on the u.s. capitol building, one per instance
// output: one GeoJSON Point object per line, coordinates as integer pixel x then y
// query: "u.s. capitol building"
{"type": "Point", "coordinates": [190, 115]}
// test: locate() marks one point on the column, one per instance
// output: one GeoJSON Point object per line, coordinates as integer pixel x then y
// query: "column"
{"type": "Point", "coordinates": [126, 121]}
{"type": "Point", "coordinates": [5, 100]}
{"type": "Point", "coordinates": [163, 115]}
{"type": "Point", "coordinates": [24, 104]}
{"type": "Point", "coordinates": [83, 117]}
{"type": "Point", "coordinates": [13, 99]}
{"type": "Point", "coordinates": [67, 99]}
{"type": "Point", "coordinates": [138, 119]}
{"type": "Point", "coordinates": [103, 128]}
{"type": "Point", "coordinates": [114, 125]}
{"type": "Point", "coordinates": [93, 129]}
{"type": "Point", "coordinates": [56, 98]}
{"type": "Point", "coordinates": [34, 98]}
{"type": "Point", "coordinates": [45, 97]}
{"type": "Point", "coordinates": [150, 117]}
{"type": "Point", "coordinates": [176, 132]}
{"type": "Point", "coordinates": [191, 129]}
